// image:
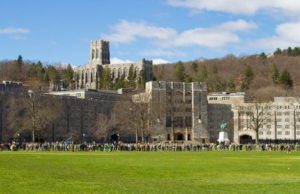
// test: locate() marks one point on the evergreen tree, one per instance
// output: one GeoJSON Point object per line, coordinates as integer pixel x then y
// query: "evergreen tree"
{"type": "Point", "coordinates": [263, 55]}
{"type": "Point", "coordinates": [231, 85]}
{"type": "Point", "coordinates": [19, 63]}
{"type": "Point", "coordinates": [52, 74]}
{"type": "Point", "coordinates": [179, 68]}
{"type": "Point", "coordinates": [53, 77]}
{"type": "Point", "coordinates": [286, 79]}
{"type": "Point", "coordinates": [296, 51]}
{"type": "Point", "coordinates": [131, 77]}
{"type": "Point", "coordinates": [142, 80]}
{"type": "Point", "coordinates": [119, 83]}
{"type": "Point", "coordinates": [68, 75]}
{"type": "Point", "coordinates": [278, 52]}
{"type": "Point", "coordinates": [194, 67]}
{"type": "Point", "coordinates": [247, 78]}
{"type": "Point", "coordinates": [203, 74]}
{"type": "Point", "coordinates": [248, 73]}
{"type": "Point", "coordinates": [290, 51]}
{"type": "Point", "coordinates": [275, 74]}
{"type": "Point", "coordinates": [105, 79]}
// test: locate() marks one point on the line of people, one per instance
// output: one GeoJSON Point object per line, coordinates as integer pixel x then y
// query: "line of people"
{"type": "Point", "coordinates": [61, 146]}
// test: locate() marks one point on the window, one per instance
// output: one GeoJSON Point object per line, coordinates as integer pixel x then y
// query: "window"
{"type": "Point", "coordinates": [189, 101]}
{"type": "Point", "coordinates": [286, 113]}
{"type": "Point", "coordinates": [189, 137]}
{"type": "Point", "coordinates": [287, 126]}
{"type": "Point", "coordinates": [298, 132]}
{"type": "Point", "coordinates": [168, 137]}
{"type": "Point", "coordinates": [279, 133]}
{"type": "Point", "coordinates": [261, 133]}
{"type": "Point", "coordinates": [278, 120]}
{"type": "Point", "coordinates": [178, 122]}
{"type": "Point", "coordinates": [287, 133]}
{"type": "Point", "coordinates": [225, 98]}
{"type": "Point", "coordinates": [279, 113]}
{"type": "Point", "coordinates": [279, 126]}
{"type": "Point", "coordinates": [269, 133]}
{"type": "Point", "coordinates": [188, 121]}
{"type": "Point", "coordinates": [126, 72]}
{"type": "Point", "coordinates": [286, 119]}
{"type": "Point", "coordinates": [188, 110]}
{"type": "Point", "coordinates": [169, 122]}
{"type": "Point", "coordinates": [268, 126]}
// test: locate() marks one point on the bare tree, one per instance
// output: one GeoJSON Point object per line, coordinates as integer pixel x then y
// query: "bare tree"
{"type": "Point", "coordinates": [256, 114]}
{"type": "Point", "coordinates": [34, 112]}
{"type": "Point", "coordinates": [133, 114]}
{"type": "Point", "coordinates": [103, 125]}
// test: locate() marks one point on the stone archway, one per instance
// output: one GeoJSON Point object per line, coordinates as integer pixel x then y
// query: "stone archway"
{"type": "Point", "coordinates": [179, 136]}
{"type": "Point", "coordinates": [245, 139]}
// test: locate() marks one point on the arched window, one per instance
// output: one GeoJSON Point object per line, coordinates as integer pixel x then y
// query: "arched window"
{"type": "Point", "coordinates": [97, 53]}
{"type": "Point", "coordinates": [119, 72]}
{"type": "Point", "coordinates": [114, 73]}
{"type": "Point", "coordinates": [93, 54]}
{"type": "Point", "coordinates": [92, 75]}
{"type": "Point", "coordinates": [125, 72]}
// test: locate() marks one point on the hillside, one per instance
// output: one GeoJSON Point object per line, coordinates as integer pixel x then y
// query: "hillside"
{"type": "Point", "coordinates": [251, 74]}
{"type": "Point", "coordinates": [227, 74]}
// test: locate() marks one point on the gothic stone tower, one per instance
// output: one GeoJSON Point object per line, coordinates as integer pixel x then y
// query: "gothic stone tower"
{"type": "Point", "coordinates": [99, 52]}
{"type": "Point", "coordinates": [88, 76]}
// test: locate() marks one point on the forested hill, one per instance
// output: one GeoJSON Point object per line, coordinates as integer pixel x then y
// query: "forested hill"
{"type": "Point", "coordinates": [35, 75]}
{"type": "Point", "coordinates": [259, 76]}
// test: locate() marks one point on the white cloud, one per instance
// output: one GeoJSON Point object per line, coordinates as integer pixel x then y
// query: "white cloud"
{"type": "Point", "coordinates": [116, 60]}
{"type": "Point", "coordinates": [13, 31]}
{"type": "Point", "coordinates": [163, 52]}
{"type": "Point", "coordinates": [216, 36]}
{"type": "Point", "coordinates": [238, 25]}
{"type": "Point", "coordinates": [248, 7]}
{"type": "Point", "coordinates": [287, 34]}
{"type": "Point", "coordinates": [160, 61]}
{"type": "Point", "coordinates": [125, 32]}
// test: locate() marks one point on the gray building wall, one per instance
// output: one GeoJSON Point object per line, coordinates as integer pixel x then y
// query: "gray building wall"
{"type": "Point", "coordinates": [182, 109]}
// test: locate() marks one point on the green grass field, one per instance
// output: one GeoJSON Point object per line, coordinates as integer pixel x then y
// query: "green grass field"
{"type": "Point", "coordinates": [149, 172]}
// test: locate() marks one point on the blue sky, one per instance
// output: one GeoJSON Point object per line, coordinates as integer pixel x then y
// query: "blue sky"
{"type": "Point", "coordinates": [59, 31]}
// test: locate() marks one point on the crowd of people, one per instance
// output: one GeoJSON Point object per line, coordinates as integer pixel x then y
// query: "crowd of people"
{"type": "Point", "coordinates": [108, 147]}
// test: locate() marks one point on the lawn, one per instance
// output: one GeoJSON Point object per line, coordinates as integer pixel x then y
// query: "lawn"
{"type": "Point", "coordinates": [149, 172]}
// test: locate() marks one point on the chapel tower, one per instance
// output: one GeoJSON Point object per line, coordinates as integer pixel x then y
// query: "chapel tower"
{"type": "Point", "coordinates": [99, 52]}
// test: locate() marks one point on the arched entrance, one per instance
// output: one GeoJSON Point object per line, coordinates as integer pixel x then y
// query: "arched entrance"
{"type": "Point", "coordinates": [245, 139]}
{"type": "Point", "coordinates": [114, 138]}
{"type": "Point", "coordinates": [179, 137]}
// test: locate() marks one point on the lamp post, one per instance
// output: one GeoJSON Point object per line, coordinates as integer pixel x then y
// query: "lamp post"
{"type": "Point", "coordinates": [33, 112]}
{"type": "Point", "coordinates": [83, 136]}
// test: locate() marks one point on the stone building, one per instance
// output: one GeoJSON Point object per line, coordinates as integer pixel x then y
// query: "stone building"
{"type": "Point", "coordinates": [81, 109]}
{"type": "Point", "coordinates": [281, 121]}
{"type": "Point", "coordinates": [180, 109]}
{"type": "Point", "coordinates": [219, 109]}
{"type": "Point", "coordinates": [88, 76]}
{"type": "Point", "coordinates": [11, 86]}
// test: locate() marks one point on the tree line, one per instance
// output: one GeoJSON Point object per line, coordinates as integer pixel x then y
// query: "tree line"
{"type": "Point", "coordinates": [288, 52]}
{"type": "Point", "coordinates": [36, 74]}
